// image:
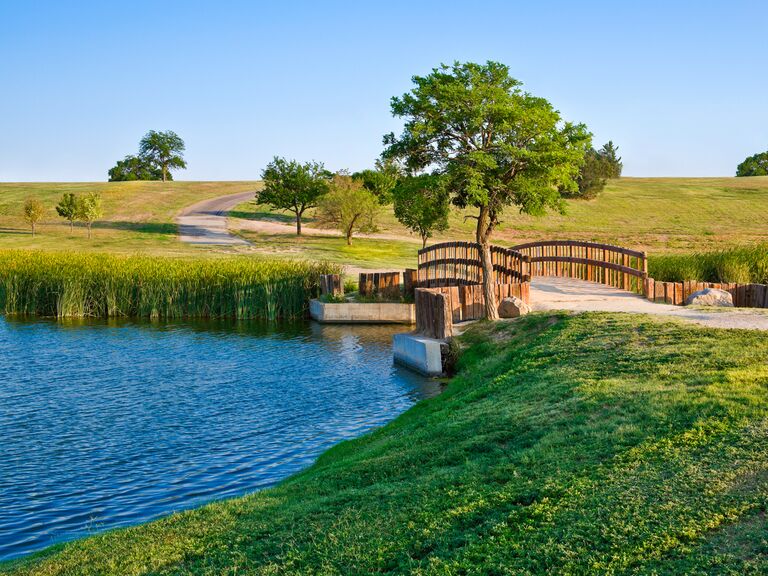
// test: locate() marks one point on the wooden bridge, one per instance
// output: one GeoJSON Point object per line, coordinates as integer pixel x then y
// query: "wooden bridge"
{"type": "Point", "coordinates": [450, 275]}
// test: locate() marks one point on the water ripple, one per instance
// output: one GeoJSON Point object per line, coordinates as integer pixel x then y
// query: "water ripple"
{"type": "Point", "coordinates": [111, 424]}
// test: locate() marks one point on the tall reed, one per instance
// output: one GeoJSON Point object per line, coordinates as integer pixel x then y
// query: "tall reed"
{"type": "Point", "coordinates": [102, 285]}
{"type": "Point", "coordinates": [743, 265]}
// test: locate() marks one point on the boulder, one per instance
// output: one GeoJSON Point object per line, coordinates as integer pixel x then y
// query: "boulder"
{"type": "Point", "coordinates": [710, 297]}
{"type": "Point", "coordinates": [513, 307]}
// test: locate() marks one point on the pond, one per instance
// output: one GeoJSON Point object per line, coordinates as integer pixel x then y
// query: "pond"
{"type": "Point", "coordinates": [107, 424]}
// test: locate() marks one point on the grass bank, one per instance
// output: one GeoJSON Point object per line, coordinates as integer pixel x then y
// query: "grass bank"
{"type": "Point", "coordinates": [65, 284]}
{"type": "Point", "coordinates": [598, 443]}
{"type": "Point", "coordinates": [743, 265]}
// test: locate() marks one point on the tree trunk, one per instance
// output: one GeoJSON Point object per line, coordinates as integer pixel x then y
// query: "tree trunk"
{"type": "Point", "coordinates": [71, 226]}
{"type": "Point", "coordinates": [423, 242]}
{"type": "Point", "coordinates": [89, 230]}
{"type": "Point", "coordinates": [489, 278]}
{"type": "Point", "coordinates": [298, 223]}
{"type": "Point", "coordinates": [349, 237]}
{"type": "Point", "coordinates": [165, 170]}
{"type": "Point", "coordinates": [33, 229]}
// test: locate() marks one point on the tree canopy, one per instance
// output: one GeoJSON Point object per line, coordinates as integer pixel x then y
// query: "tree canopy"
{"type": "Point", "coordinates": [67, 208]}
{"type": "Point", "coordinates": [421, 205]}
{"type": "Point", "coordinates": [599, 166]}
{"type": "Point", "coordinates": [756, 165]}
{"type": "Point", "coordinates": [349, 207]}
{"type": "Point", "coordinates": [494, 144]}
{"type": "Point", "coordinates": [135, 168]}
{"type": "Point", "coordinates": [381, 181]}
{"type": "Point", "coordinates": [292, 186]}
{"type": "Point", "coordinates": [163, 151]}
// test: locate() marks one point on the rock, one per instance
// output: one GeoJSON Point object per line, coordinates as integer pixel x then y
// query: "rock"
{"type": "Point", "coordinates": [710, 297]}
{"type": "Point", "coordinates": [513, 307]}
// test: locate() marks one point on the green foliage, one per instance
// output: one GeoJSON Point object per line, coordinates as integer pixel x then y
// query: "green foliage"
{"type": "Point", "coordinates": [421, 205]}
{"type": "Point", "coordinates": [599, 166]}
{"type": "Point", "coordinates": [586, 444]}
{"type": "Point", "coordinates": [380, 181]}
{"type": "Point", "coordinates": [34, 210]}
{"type": "Point", "coordinates": [743, 265]}
{"type": "Point", "coordinates": [291, 186]}
{"type": "Point", "coordinates": [135, 168]}
{"type": "Point", "coordinates": [495, 144]}
{"type": "Point", "coordinates": [68, 207]}
{"type": "Point", "coordinates": [163, 151]}
{"type": "Point", "coordinates": [756, 165]}
{"type": "Point", "coordinates": [348, 207]}
{"type": "Point", "coordinates": [90, 209]}
{"type": "Point", "coordinates": [61, 284]}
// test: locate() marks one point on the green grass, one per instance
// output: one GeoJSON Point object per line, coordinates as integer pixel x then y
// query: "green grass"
{"type": "Point", "coordinates": [138, 216]}
{"type": "Point", "coordinates": [659, 215]}
{"type": "Point", "coordinates": [61, 284]}
{"type": "Point", "coordinates": [589, 444]}
{"type": "Point", "coordinates": [742, 265]}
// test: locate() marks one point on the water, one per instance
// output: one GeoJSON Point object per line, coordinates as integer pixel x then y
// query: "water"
{"type": "Point", "coordinates": [111, 424]}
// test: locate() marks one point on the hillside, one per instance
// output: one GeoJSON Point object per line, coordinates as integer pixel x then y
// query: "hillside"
{"type": "Point", "coordinates": [598, 443]}
{"type": "Point", "coordinates": [138, 216]}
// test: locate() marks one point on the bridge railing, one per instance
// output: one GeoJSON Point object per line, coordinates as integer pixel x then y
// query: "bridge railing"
{"type": "Point", "coordinates": [603, 263]}
{"type": "Point", "coordinates": [459, 264]}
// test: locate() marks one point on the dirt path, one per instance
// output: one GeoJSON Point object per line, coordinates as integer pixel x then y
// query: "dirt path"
{"type": "Point", "coordinates": [548, 293]}
{"type": "Point", "coordinates": [206, 221]}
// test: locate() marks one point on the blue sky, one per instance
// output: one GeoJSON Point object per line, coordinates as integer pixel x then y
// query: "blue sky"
{"type": "Point", "coordinates": [681, 87]}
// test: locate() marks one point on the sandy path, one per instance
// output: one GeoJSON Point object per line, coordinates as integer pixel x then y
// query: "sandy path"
{"type": "Point", "coordinates": [206, 221]}
{"type": "Point", "coordinates": [548, 293]}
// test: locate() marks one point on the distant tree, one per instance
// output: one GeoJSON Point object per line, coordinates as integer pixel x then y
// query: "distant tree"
{"type": "Point", "coordinates": [67, 208]}
{"type": "Point", "coordinates": [496, 145]}
{"type": "Point", "coordinates": [599, 166]}
{"type": "Point", "coordinates": [756, 165]}
{"type": "Point", "coordinates": [34, 210]}
{"type": "Point", "coordinates": [349, 207]}
{"type": "Point", "coordinates": [164, 151]}
{"type": "Point", "coordinates": [380, 181]}
{"type": "Point", "coordinates": [610, 154]}
{"type": "Point", "coordinates": [421, 205]}
{"type": "Point", "coordinates": [295, 187]}
{"type": "Point", "coordinates": [89, 210]}
{"type": "Point", "coordinates": [135, 168]}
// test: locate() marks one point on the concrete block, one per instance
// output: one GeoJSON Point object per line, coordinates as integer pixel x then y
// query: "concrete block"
{"type": "Point", "coordinates": [363, 313]}
{"type": "Point", "coordinates": [419, 353]}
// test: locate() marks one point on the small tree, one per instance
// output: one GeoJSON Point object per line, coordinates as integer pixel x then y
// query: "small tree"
{"type": "Point", "coordinates": [756, 165]}
{"type": "Point", "coordinates": [90, 209]}
{"type": "Point", "coordinates": [34, 210]}
{"type": "Point", "coordinates": [67, 208]}
{"type": "Point", "coordinates": [380, 181]}
{"type": "Point", "coordinates": [291, 186]}
{"type": "Point", "coordinates": [135, 168]}
{"type": "Point", "coordinates": [496, 146]}
{"type": "Point", "coordinates": [610, 155]}
{"type": "Point", "coordinates": [349, 207]}
{"type": "Point", "coordinates": [421, 205]}
{"type": "Point", "coordinates": [163, 150]}
{"type": "Point", "coordinates": [598, 167]}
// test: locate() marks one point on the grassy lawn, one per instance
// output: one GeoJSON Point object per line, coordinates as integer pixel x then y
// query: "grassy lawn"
{"type": "Point", "coordinates": [138, 216]}
{"type": "Point", "coordinates": [660, 215]}
{"type": "Point", "coordinates": [597, 443]}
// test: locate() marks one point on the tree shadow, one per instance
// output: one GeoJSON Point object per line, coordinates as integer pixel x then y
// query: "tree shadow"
{"type": "Point", "coordinates": [167, 228]}
{"type": "Point", "coordinates": [282, 218]}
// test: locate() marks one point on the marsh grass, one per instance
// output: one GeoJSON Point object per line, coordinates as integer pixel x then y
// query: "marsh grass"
{"type": "Point", "coordinates": [62, 285]}
{"type": "Point", "coordinates": [743, 265]}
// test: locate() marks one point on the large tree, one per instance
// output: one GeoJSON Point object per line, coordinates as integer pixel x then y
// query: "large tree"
{"type": "Point", "coordinates": [163, 150]}
{"type": "Point", "coordinates": [349, 207]}
{"type": "Point", "coordinates": [292, 186]}
{"type": "Point", "coordinates": [421, 205]}
{"type": "Point", "coordinates": [756, 165]}
{"type": "Point", "coordinates": [495, 145]}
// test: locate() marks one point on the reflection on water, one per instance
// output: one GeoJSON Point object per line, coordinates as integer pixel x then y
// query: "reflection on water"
{"type": "Point", "coordinates": [107, 424]}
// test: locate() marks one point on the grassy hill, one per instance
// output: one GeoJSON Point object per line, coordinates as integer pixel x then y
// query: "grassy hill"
{"type": "Point", "coordinates": [138, 216]}
{"type": "Point", "coordinates": [598, 443]}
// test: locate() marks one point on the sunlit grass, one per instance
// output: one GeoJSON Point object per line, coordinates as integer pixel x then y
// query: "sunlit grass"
{"type": "Point", "coordinates": [742, 265]}
{"type": "Point", "coordinates": [60, 284]}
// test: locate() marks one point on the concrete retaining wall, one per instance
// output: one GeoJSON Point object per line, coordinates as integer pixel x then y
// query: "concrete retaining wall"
{"type": "Point", "coordinates": [419, 353]}
{"type": "Point", "coordinates": [364, 313]}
